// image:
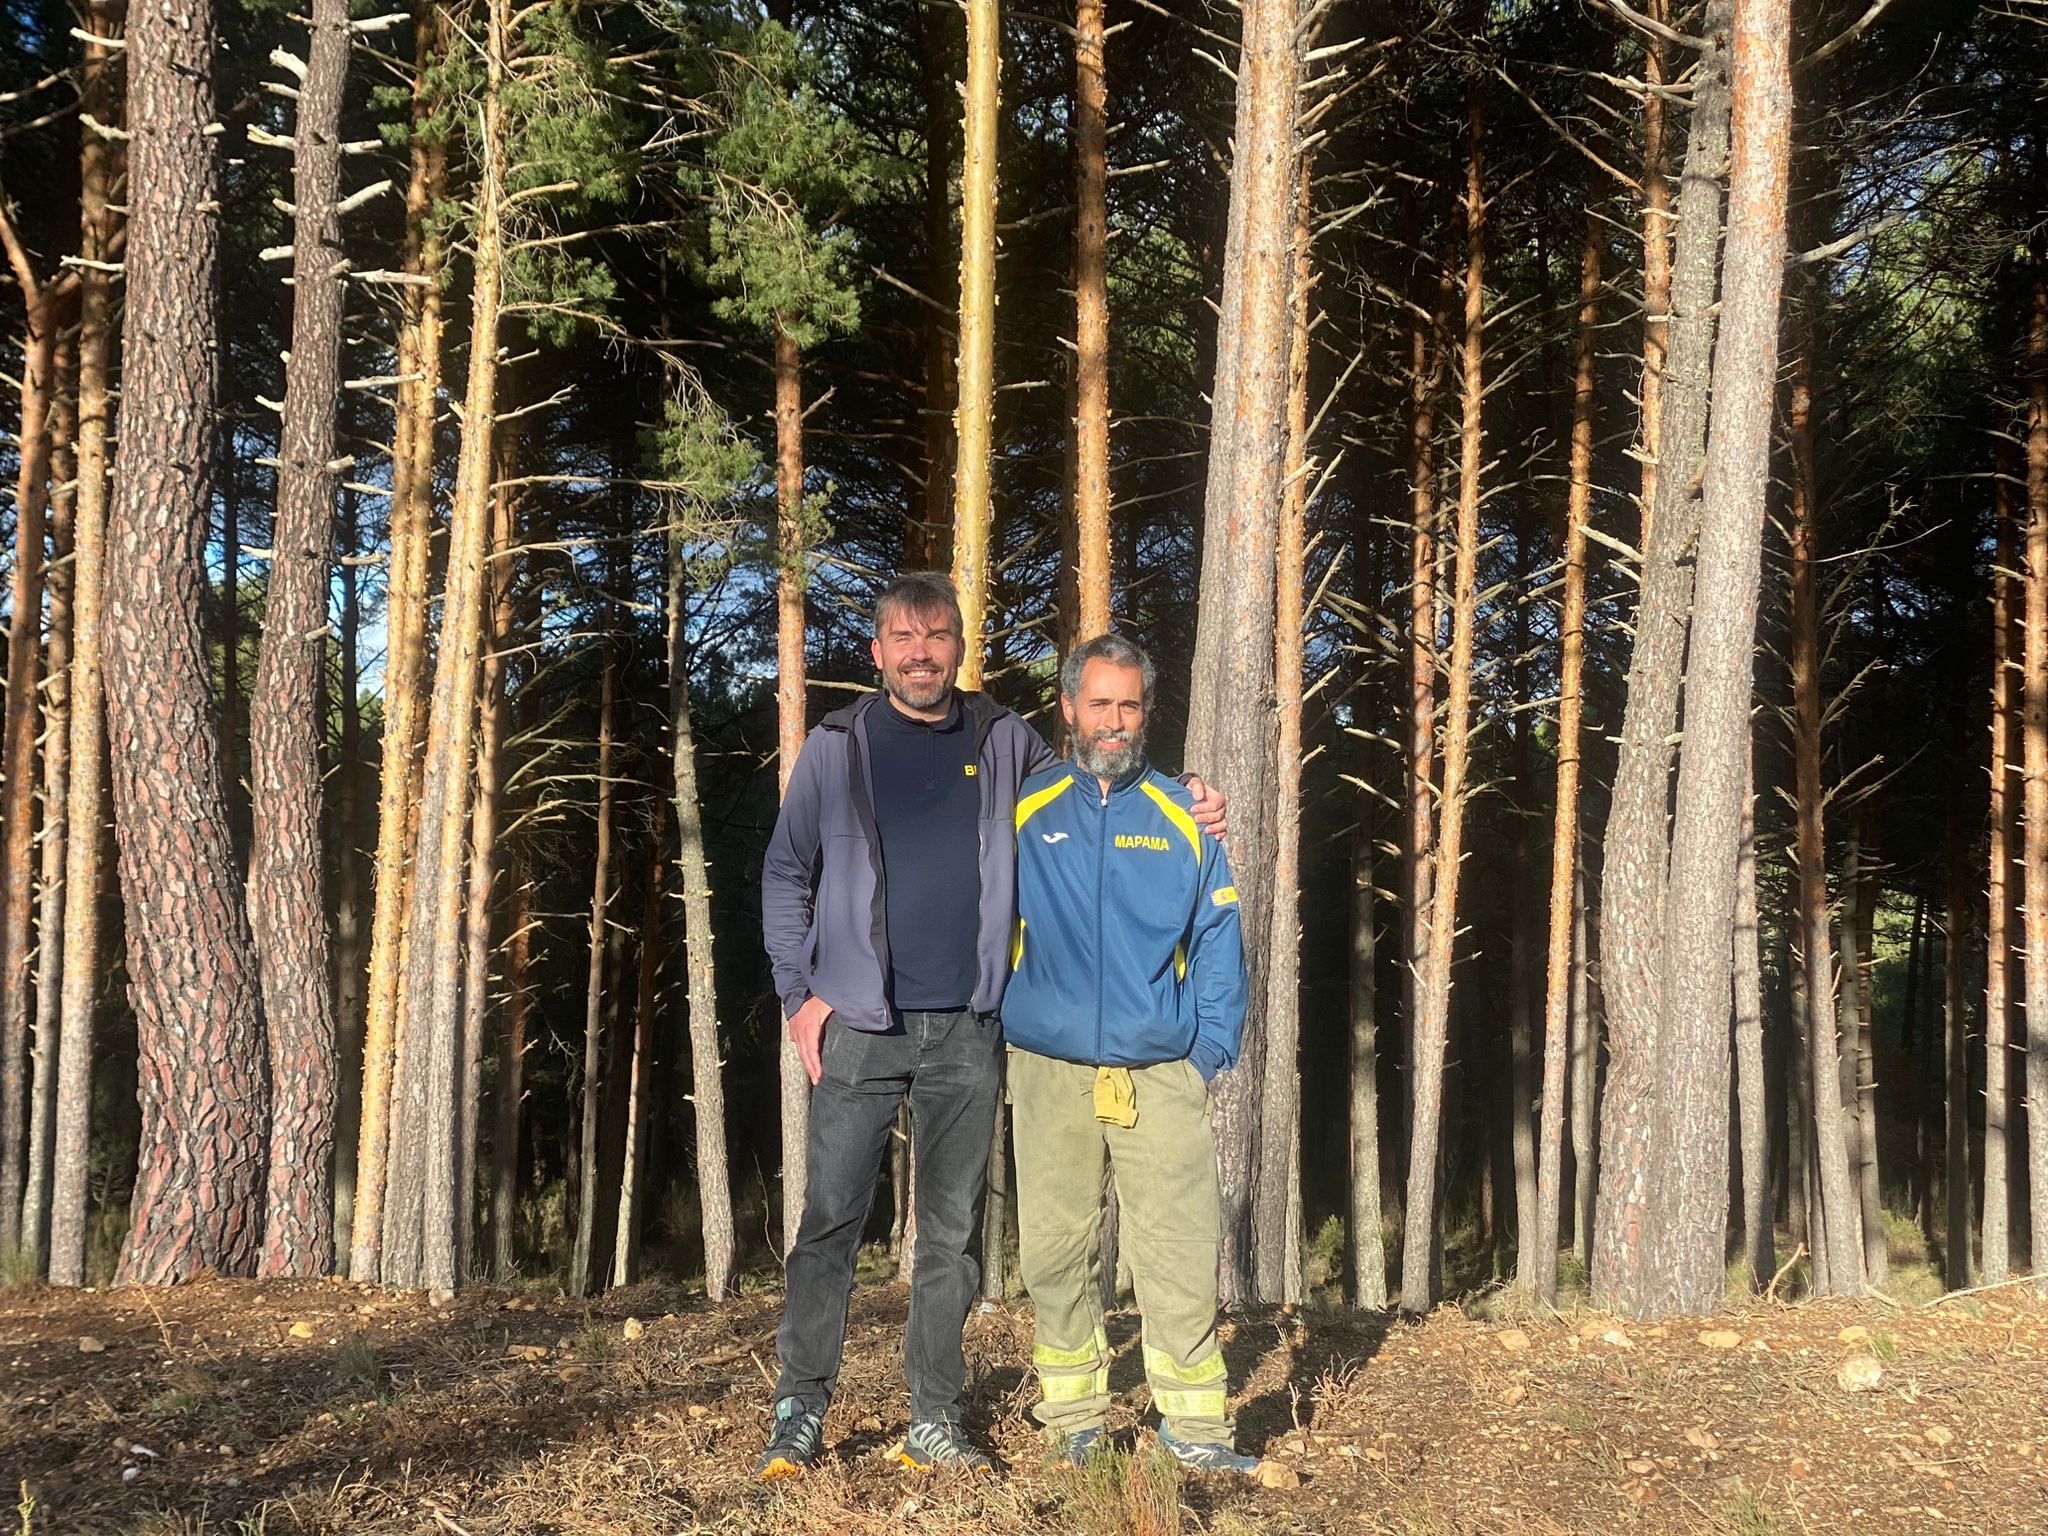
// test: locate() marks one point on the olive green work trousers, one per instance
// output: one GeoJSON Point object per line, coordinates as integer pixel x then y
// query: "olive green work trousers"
{"type": "Point", "coordinates": [1165, 1167]}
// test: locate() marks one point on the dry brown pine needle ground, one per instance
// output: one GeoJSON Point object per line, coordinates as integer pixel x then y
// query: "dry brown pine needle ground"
{"type": "Point", "coordinates": [233, 1408]}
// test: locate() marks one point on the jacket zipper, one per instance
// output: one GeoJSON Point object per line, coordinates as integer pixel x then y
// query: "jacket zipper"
{"type": "Point", "coordinates": [1101, 870]}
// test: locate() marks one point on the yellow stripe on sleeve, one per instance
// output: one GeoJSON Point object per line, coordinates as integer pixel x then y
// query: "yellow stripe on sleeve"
{"type": "Point", "coordinates": [1038, 800]}
{"type": "Point", "coordinates": [1174, 814]}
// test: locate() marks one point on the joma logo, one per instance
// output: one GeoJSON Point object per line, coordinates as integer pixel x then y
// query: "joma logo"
{"type": "Point", "coordinates": [1134, 840]}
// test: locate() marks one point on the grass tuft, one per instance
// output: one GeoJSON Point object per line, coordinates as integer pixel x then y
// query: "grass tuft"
{"type": "Point", "coordinates": [356, 1363]}
{"type": "Point", "coordinates": [1117, 1493]}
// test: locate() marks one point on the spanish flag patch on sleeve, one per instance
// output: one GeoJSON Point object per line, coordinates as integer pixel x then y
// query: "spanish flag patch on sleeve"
{"type": "Point", "coordinates": [1225, 897]}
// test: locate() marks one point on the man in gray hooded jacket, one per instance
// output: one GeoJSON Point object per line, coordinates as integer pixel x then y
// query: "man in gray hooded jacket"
{"type": "Point", "coordinates": [891, 985]}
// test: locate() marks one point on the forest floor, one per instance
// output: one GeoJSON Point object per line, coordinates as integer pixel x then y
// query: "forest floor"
{"type": "Point", "coordinates": [232, 1408]}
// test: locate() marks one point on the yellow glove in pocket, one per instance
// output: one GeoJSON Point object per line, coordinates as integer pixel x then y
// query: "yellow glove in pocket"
{"type": "Point", "coordinates": [1116, 1097]}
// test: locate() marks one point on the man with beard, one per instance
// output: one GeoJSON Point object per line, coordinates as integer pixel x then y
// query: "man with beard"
{"type": "Point", "coordinates": [888, 897]}
{"type": "Point", "coordinates": [1127, 998]}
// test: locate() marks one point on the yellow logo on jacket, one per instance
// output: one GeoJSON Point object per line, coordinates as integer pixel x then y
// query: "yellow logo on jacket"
{"type": "Point", "coordinates": [1138, 840]}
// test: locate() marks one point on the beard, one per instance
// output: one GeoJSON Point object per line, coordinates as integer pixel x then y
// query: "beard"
{"type": "Point", "coordinates": [917, 692]}
{"type": "Point", "coordinates": [1110, 762]}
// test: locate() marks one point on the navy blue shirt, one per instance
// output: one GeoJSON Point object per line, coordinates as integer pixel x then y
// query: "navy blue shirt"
{"type": "Point", "coordinates": [928, 809]}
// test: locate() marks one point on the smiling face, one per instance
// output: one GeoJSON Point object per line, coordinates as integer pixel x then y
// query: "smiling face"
{"type": "Point", "coordinates": [918, 655]}
{"type": "Point", "coordinates": [1107, 718]}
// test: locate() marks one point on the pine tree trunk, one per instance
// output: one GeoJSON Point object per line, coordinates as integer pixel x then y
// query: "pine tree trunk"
{"type": "Point", "coordinates": [973, 415]}
{"type": "Point", "coordinates": [1419, 1280]}
{"type": "Point", "coordinates": [1585, 1103]}
{"type": "Point", "coordinates": [1538, 1267]}
{"type": "Point", "coordinates": [931, 539]}
{"type": "Point", "coordinates": [1752, 1093]}
{"type": "Point", "coordinates": [2034, 726]}
{"type": "Point", "coordinates": [1276, 1243]}
{"type": "Point", "coordinates": [1684, 1272]}
{"type": "Point", "coordinates": [1632, 893]}
{"type": "Point", "coordinates": [86, 797]}
{"type": "Point", "coordinates": [349, 957]}
{"type": "Point", "coordinates": [1091, 329]}
{"type": "Point", "coordinates": [589, 1122]}
{"type": "Point", "coordinates": [1656, 257]}
{"type": "Point", "coordinates": [42, 320]}
{"type": "Point", "coordinates": [633, 1177]}
{"type": "Point", "coordinates": [510, 1088]}
{"type": "Point", "coordinates": [1425, 362]}
{"type": "Point", "coordinates": [1368, 1259]}
{"type": "Point", "coordinates": [287, 888]}
{"type": "Point", "coordinates": [714, 1181]}
{"type": "Point", "coordinates": [1839, 1224]}
{"type": "Point", "coordinates": [405, 655]}
{"type": "Point", "coordinates": [1955, 1171]}
{"type": "Point", "coordinates": [1230, 735]}
{"type": "Point", "coordinates": [484, 833]}
{"type": "Point", "coordinates": [419, 1208]}
{"type": "Point", "coordinates": [198, 1200]}
{"type": "Point", "coordinates": [1854, 1002]}
{"type": "Point", "coordinates": [55, 835]}
{"type": "Point", "coordinates": [1995, 1235]}
{"type": "Point", "coordinates": [792, 580]}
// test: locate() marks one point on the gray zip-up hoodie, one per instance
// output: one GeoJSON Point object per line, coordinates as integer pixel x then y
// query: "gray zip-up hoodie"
{"type": "Point", "coordinates": [823, 900]}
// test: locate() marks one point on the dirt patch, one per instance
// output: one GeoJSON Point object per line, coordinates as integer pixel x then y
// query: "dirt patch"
{"type": "Point", "coordinates": [237, 1407]}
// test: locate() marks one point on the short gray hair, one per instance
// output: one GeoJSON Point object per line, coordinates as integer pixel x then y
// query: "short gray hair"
{"type": "Point", "coordinates": [1114, 649]}
{"type": "Point", "coordinates": [925, 595]}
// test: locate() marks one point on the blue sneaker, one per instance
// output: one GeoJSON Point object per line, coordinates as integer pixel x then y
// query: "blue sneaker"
{"type": "Point", "coordinates": [942, 1443]}
{"type": "Point", "coordinates": [1206, 1458]}
{"type": "Point", "coordinates": [794, 1443]}
{"type": "Point", "coordinates": [1075, 1449]}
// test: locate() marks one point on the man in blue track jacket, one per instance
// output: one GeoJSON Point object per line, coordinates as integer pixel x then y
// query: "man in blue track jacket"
{"type": "Point", "coordinates": [1127, 998]}
{"type": "Point", "coordinates": [888, 896]}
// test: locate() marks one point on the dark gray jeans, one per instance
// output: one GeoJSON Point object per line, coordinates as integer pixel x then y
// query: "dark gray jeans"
{"type": "Point", "coordinates": [950, 1065]}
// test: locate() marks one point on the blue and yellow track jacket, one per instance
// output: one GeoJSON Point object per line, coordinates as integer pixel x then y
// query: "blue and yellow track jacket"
{"type": "Point", "coordinates": [1127, 951]}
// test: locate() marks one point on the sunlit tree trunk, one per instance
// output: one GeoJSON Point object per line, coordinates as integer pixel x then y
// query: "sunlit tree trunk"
{"type": "Point", "coordinates": [714, 1182]}
{"type": "Point", "coordinates": [973, 416]}
{"type": "Point", "coordinates": [1277, 1242]}
{"type": "Point", "coordinates": [2034, 726]}
{"type": "Point", "coordinates": [100, 94]}
{"type": "Point", "coordinates": [1752, 1094]}
{"type": "Point", "coordinates": [1230, 734]}
{"type": "Point", "coordinates": [1419, 1279]}
{"type": "Point", "coordinates": [931, 539]}
{"type": "Point", "coordinates": [198, 1200]}
{"type": "Point", "coordinates": [792, 577]}
{"type": "Point", "coordinates": [1656, 256]}
{"type": "Point", "coordinates": [1538, 1264]}
{"type": "Point", "coordinates": [1684, 1268]}
{"type": "Point", "coordinates": [349, 934]}
{"type": "Point", "coordinates": [633, 1179]}
{"type": "Point", "coordinates": [419, 1211]}
{"type": "Point", "coordinates": [1091, 330]}
{"type": "Point", "coordinates": [1859, 1067]}
{"type": "Point", "coordinates": [1636, 841]}
{"type": "Point", "coordinates": [405, 654]}
{"type": "Point", "coordinates": [1367, 1258]}
{"type": "Point", "coordinates": [1994, 1237]}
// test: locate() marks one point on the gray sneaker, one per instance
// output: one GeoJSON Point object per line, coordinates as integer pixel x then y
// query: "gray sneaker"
{"type": "Point", "coordinates": [1206, 1458]}
{"type": "Point", "coordinates": [942, 1443]}
{"type": "Point", "coordinates": [793, 1444]}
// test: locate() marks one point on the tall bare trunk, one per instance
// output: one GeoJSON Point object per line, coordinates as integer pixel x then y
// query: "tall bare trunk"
{"type": "Point", "coordinates": [1656, 257]}
{"type": "Point", "coordinates": [1585, 1103]}
{"type": "Point", "coordinates": [714, 1183]}
{"type": "Point", "coordinates": [2034, 726]}
{"type": "Point", "coordinates": [1425, 364]}
{"type": "Point", "coordinates": [931, 539]}
{"type": "Point", "coordinates": [198, 1200]}
{"type": "Point", "coordinates": [792, 578]}
{"type": "Point", "coordinates": [86, 796]}
{"type": "Point", "coordinates": [55, 836]}
{"type": "Point", "coordinates": [590, 1142]}
{"type": "Point", "coordinates": [1840, 1223]}
{"type": "Point", "coordinates": [1684, 1268]}
{"type": "Point", "coordinates": [287, 890]}
{"type": "Point", "coordinates": [1538, 1267]}
{"type": "Point", "coordinates": [1277, 1243]}
{"type": "Point", "coordinates": [1368, 1259]}
{"type": "Point", "coordinates": [419, 1210]}
{"type": "Point", "coordinates": [1636, 841]}
{"type": "Point", "coordinates": [43, 318]}
{"type": "Point", "coordinates": [1091, 329]}
{"type": "Point", "coordinates": [1230, 733]}
{"type": "Point", "coordinates": [349, 956]}
{"type": "Point", "coordinates": [973, 415]}
{"type": "Point", "coordinates": [1994, 1237]}
{"type": "Point", "coordinates": [1752, 1094]}
{"type": "Point", "coordinates": [1859, 1090]}
{"type": "Point", "coordinates": [405, 655]}
{"type": "Point", "coordinates": [1433, 987]}
{"type": "Point", "coordinates": [633, 1178]}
